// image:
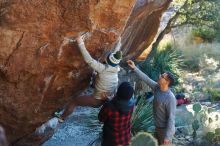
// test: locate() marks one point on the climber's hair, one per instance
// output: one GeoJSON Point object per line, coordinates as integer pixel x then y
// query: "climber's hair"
{"type": "Point", "coordinates": [171, 78]}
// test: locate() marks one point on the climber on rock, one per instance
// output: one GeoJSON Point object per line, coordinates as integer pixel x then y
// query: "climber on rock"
{"type": "Point", "coordinates": [106, 80]}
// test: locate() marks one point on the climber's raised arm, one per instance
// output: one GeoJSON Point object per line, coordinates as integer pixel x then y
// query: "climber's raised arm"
{"type": "Point", "coordinates": [96, 65]}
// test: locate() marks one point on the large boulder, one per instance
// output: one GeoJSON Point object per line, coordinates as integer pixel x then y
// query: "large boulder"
{"type": "Point", "coordinates": [40, 69]}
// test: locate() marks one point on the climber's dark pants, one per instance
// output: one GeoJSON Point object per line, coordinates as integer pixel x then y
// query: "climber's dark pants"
{"type": "Point", "coordinates": [85, 100]}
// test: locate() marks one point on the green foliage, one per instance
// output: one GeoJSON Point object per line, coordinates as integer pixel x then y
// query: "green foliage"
{"type": "Point", "coordinates": [142, 117]}
{"type": "Point", "coordinates": [217, 131]}
{"type": "Point", "coordinates": [143, 139]}
{"type": "Point", "coordinates": [199, 114]}
{"type": "Point", "coordinates": [195, 126]}
{"type": "Point", "coordinates": [206, 33]}
{"type": "Point", "coordinates": [197, 107]}
{"type": "Point", "coordinates": [213, 137]}
{"type": "Point", "coordinates": [200, 57]}
{"type": "Point", "coordinates": [214, 94]}
{"type": "Point", "coordinates": [217, 20]}
{"type": "Point", "coordinates": [218, 29]}
{"type": "Point", "coordinates": [199, 13]}
{"type": "Point", "coordinates": [210, 136]}
{"type": "Point", "coordinates": [192, 64]}
{"type": "Point", "coordinates": [166, 58]}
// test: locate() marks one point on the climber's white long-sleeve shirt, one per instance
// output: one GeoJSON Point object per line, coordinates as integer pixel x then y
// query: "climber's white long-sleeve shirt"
{"type": "Point", "coordinates": [107, 77]}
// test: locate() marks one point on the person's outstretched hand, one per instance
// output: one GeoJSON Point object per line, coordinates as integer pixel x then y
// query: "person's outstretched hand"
{"type": "Point", "coordinates": [119, 39]}
{"type": "Point", "coordinates": [131, 64]}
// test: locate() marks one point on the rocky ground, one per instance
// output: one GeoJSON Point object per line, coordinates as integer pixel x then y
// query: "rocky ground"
{"type": "Point", "coordinates": [82, 127]}
{"type": "Point", "coordinates": [184, 119]}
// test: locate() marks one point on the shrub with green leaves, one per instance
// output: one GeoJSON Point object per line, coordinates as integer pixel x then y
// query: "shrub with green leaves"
{"type": "Point", "coordinates": [210, 136]}
{"type": "Point", "coordinates": [206, 33]}
{"type": "Point", "coordinates": [142, 117]}
{"type": "Point", "coordinates": [166, 58]}
{"type": "Point", "coordinates": [214, 94]}
{"type": "Point", "coordinates": [192, 63]}
{"type": "Point", "coordinates": [217, 131]}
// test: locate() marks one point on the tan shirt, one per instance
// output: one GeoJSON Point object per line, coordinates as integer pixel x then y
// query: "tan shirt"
{"type": "Point", "coordinates": [107, 77]}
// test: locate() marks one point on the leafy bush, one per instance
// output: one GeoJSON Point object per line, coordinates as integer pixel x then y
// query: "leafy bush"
{"type": "Point", "coordinates": [165, 59]}
{"type": "Point", "coordinates": [192, 64]}
{"type": "Point", "coordinates": [207, 34]}
{"type": "Point", "coordinates": [210, 136]}
{"type": "Point", "coordinates": [217, 27]}
{"type": "Point", "coordinates": [142, 117]}
{"type": "Point", "coordinates": [218, 32]}
{"type": "Point", "coordinates": [214, 94]}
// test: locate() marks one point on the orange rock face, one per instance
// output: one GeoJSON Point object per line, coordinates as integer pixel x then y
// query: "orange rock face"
{"type": "Point", "coordinates": [40, 70]}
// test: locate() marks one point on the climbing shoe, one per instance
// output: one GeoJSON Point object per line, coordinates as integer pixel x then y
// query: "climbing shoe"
{"type": "Point", "coordinates": [58, 116]}
{"type": "Point", "coordinates": [61, 120]}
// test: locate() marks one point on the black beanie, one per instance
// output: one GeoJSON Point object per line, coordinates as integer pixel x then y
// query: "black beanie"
{"type": "Point", "coordinates": [125, 91]}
